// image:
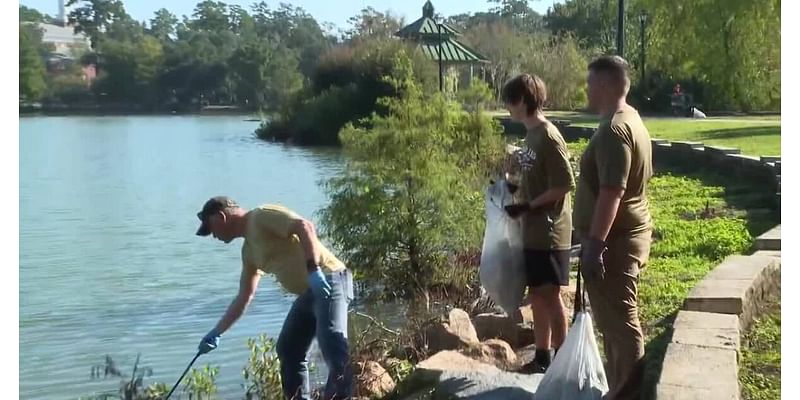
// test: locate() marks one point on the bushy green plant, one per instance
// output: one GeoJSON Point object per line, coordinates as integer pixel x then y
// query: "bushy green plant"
{"type": "Point", "coordinates": [262, 372]}
{"type": "Point", "coordinates": [201, 384]}
{"type": "Point", "coordinates": [344, 88]}
{"type": "Point", "coordinates": [410, 197]}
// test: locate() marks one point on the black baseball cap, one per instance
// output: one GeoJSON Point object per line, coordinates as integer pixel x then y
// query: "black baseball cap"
{"type": "Point", "coordinates": [212, 206]}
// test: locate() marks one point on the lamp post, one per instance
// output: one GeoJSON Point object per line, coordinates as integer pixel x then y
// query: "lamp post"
{"type": "Point", "coordinates": [621, 28]}
{"type": "Point", "coordinates": [642, 22]}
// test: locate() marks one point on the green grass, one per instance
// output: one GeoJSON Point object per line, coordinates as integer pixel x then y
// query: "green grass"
{"type": "Point", "coordinates": [699, 220]}
{"type": "Point", "coordinates": [760, 362]}
{"type": "Point", "coordinates": [754, 135]}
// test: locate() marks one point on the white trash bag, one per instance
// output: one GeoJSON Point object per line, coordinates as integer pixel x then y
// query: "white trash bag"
{"type": "Point", "coordinates": [502, 271]}
{"type": "Point", "coordinates": [577, 371]}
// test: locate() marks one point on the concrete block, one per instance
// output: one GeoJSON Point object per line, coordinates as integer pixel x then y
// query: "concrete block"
{"type": "Point", "coordinates": [722, 150]}
{"type": "Point", "coordinates": [770, 159]}
{"type": "Point", "coordinates": [706, 330]}
{"type": "Point", "coordinates": [683, 145]}
{"type": "Point", "coordinates": [738, 267]}
{"type": "Point", "coordinates": [708, 371]}
{"type": "Point", "coordinates": [768, 253]}
{"type": "Point", "coordinates": [718, 296]}
{"type": "Point", "coordinates": [771, 240]}
{"type": "Point", "coordinates": [656, 142]}
{"type": "Point", "coordinates": [677, 392]}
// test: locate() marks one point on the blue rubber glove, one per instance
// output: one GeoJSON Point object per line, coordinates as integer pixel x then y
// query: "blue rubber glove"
{"type": "Point", "coordinates": [209, 342]}
{"type": "Point", "coordinates": [319, 285]}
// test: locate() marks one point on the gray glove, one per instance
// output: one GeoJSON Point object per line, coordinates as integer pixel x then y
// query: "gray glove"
{"type": "Point", "coordinates": [592, 266]}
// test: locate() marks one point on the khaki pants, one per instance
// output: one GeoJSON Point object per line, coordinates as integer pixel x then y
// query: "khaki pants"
{"type": "Point", "coordinates": [614, 308]}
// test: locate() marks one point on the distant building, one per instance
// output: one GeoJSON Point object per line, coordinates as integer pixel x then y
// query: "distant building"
{"type": "Point", "coordinates": [64, 39]}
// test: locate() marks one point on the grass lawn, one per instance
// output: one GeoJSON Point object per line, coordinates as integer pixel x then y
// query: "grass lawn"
{"type": "Point", "coordinates": [760, 361]}
{"type": "Point", "coordinates": [754, 135]}
{"type": "Point", "coordinates": [699, 220]}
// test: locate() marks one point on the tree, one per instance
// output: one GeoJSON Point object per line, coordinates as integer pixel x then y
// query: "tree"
{"type": "Point", "coordinates": [504, 47]}
{"type": "Point", "coordinates": [410, 198]}
{"type": "Point", "coordinates": [93, 17]}
{"type": "Point", "coordinates": [731, 47]}
{"type": "Point", "coordinates": [163, 25]}
{"type": "Point", "coordinates": [130, 69]}
{"type": "Point", "coordinates": [27, 14]}
{"type": "Point", "coordinates": [31, 67]}
{"type": "Point", "coordinates": [210, 16]}
{"type": "Point", "coordinates": [266, 73]}
{"type": "Point", "coordinates": [373, 24]}
{"type": "Point", "coordinates": [520, 16]}
{"type": "Point", "coordinates": [593, 22]}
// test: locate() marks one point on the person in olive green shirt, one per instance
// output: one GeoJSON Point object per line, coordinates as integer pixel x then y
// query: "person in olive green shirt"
{"type": "Point", "coordinates": [547, 216]}
{"type": "Point", "coordinates": [282, 243]}
{"type": "Point", "coordinates": [612, 218]}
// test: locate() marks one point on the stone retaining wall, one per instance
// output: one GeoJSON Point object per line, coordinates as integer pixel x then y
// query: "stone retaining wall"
{"type": "Point", "coordinates": [701, 361]}
{"type": "Point", "coordinates": [763, 173]}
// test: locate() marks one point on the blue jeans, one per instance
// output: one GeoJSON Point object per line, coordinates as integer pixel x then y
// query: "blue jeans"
{"type": "Point", "coordinates": [327, 320]}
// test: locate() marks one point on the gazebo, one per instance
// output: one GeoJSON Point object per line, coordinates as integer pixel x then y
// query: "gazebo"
{"type": "Point", "coordinates": [437, 41]}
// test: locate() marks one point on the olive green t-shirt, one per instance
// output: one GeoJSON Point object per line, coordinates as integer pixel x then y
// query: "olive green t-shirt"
{"type": "Point", "coordinates": [545, 165]}
{"type": "Point", "coordinates": [270, 248]}
{"type": "Point", "coordinates": [618, 155]}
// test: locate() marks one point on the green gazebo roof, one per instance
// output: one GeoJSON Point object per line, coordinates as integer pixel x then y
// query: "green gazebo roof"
{"type": "Point", "coordinates": [426, 32]}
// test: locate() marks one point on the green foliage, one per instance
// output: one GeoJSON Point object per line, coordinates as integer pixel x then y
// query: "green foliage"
{"type": "Point", "coordinates": [201, 384]}
{"type": "Point", "coordinates": [130, 69]}
{"type": "Point", "coordinates": [732, 47]}
{"type": "Point", "coordinates": [760, 361]}
{"type": "Point", "coordinates": [561, 64]}
{"type": "Point", "coordinates": [93, 17]}
{"type": "Point", "coordinates": [163, 25]}
{"type": "Point", "coordinates": [411, 196]}
{"type": "Point", "coordinates": [27, 14]}
{"type": "Point", "coordinates": [266, 73]}
{"type": "Point", "coordinates": [262, 373]}
{"type": "Point", "coordinates": [31, 67]}
{"type": "Point", "coordinates": [344, 88]}
{"type": "Point", "coordinates": [478, 96]}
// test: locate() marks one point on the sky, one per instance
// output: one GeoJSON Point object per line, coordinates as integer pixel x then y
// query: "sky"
{"type": "Point", "coordinates": [333, 11]}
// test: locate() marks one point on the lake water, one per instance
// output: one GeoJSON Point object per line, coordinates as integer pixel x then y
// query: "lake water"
{"type": "Point", "coordinates": [109, 263]}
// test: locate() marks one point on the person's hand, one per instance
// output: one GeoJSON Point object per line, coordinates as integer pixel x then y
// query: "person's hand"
{"type": "Point", "coordinates": [592, 264]}
{"type": "Point", "coordinates": [319, 285]}
{"type": "Point", "coordinates": [210, 342]}
{"type": "Point", "coordinates": [515, 210]}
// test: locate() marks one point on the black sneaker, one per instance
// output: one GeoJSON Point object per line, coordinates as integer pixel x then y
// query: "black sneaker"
{"type": "Point", "coordinates": [533, 367]}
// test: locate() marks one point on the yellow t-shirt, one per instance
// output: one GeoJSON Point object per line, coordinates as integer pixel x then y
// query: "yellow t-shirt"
{"type": "Point", "coordinates": [269, 248]}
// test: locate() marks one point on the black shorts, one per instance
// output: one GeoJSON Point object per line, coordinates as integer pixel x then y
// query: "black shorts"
{"type": "Point", "coordinates": [544, 267]}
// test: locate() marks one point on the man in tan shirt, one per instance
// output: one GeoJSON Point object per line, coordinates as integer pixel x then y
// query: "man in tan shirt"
{"type": "Point", "coordinates": [612, 217]}
{"type": "Point", "coordinates": [282, 243]}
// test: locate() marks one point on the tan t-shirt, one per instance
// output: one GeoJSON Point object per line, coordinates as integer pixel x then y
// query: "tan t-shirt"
{"type": "Point", "coordinates": [545, 165]}
{"type": "Point", "coordinates": [269, 248]}
{"type": "Point", "coordinates": [618, 155]}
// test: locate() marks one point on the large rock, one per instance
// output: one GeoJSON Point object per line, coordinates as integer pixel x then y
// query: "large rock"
{"type": "Point", "coordinates": [499, 326]}
{"type": "Point", "coordinates": [455, 376]}
{"type": "Point", "coordinates": [372, 380]}
{"type": "Point", "coordinates": [455, 332]}
{"type": "Point", "coordinates": [495, 352]}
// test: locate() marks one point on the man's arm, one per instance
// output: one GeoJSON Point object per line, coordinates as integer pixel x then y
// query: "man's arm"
{"type": "Point", "coordinates": [307, 234]}
{"type": "Point", "coordinates": [605, 211]}
{"type": "Point", "coordinates": [248, 283]}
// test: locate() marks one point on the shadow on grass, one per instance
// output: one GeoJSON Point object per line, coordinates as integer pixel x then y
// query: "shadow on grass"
{"type": "Point", "coordinates": [742, 133]}
{"type": "Point", "coordinates": [760, 205]}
